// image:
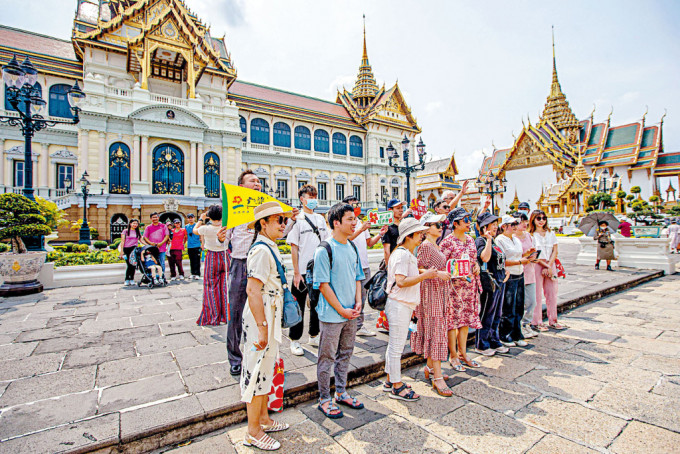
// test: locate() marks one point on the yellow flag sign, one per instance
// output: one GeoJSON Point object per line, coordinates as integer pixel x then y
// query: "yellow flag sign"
{"type": "Point", "coordinates": [238, 204]}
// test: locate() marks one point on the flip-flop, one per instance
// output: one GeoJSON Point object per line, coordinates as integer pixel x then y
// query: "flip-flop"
{"type": "Point", "coordinates": [558, 327]}
{"type": "Point", "coordinates": [474, 364]}
{"type": "Point", "coordinates": [331, 407]}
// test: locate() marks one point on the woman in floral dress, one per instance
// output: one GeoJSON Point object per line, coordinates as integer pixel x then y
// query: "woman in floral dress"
{"type": "Point", "coordinates": [463, 298]}
{"type": "Point", "coordinates": [431, 338]}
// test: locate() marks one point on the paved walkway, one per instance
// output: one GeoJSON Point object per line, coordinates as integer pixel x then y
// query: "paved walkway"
{"type": "Point", "coordinates": [610, 383]}
{"type": "Point", "coordinates": [128, 363]}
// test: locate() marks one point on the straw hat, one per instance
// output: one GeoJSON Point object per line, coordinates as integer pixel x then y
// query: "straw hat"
{"type": "Point", "coordinates": [431, 218]}
{"type": "Point", "coordinates": [268, 209]}
{"type": "Point", "coordinates": [409, 226]}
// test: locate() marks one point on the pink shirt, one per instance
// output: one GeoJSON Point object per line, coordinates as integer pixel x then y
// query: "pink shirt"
{"type": "Point", "coordinates": [178, 238]}
{"type": "Point", "coordinates": [131, 239]}
{"type": "Point", "coordinates": [155, 234]}
{"type": "Point", "coordinates": [529, 272]}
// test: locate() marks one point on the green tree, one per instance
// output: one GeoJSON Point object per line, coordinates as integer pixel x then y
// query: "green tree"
{"type": "Point", "coordinates": [674, 210]}
{"type": "Point", "coordinates": [630, 197]}
{"type": "Point", "coordinates": [600, 201]}
{"type": "Point", "coordinates": [621, 195]}
{"type": "Point", "coordinates": [636, 190]}
{"type": "Point", "coordinates": [54, 217]}
{"type": "Point", "coordinates": [19, 216]}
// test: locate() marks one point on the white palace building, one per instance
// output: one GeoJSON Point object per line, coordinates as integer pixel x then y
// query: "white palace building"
{"type": "Point", "coordinates": [166, 119]}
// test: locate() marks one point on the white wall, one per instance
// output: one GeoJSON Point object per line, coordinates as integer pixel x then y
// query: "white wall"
{"type": "Point", "coordinates": [528, 183]}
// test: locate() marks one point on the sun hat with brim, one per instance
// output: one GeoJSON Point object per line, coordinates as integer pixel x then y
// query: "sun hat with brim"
{"type": "Point", "coordinates": [457, 214]}
{"type": "Point", "coordinates": [431, 218]}
{"type": "Point", "coordinates": [409, 226]}
{"type": "Point", "coordinates": [485, 219]}
{"type": "Point", "coordinates": [507, 219]}
{"type": "Point", "coordinates": [268, 209]}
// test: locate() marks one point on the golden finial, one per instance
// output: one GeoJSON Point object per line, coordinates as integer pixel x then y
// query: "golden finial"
{"type": "Point", "coordinates": [609, 118]}
{"type": "Point", "coordinates": [523, 125]}
{"type": "Point", "coordinates": [365, 53]}
{"type": "Point", "coordinates": [664, 115]}
{"type": "Point", "coordinates": [645, 114]}
{"type": "Point", "coordinates": [528, 118]}
{"type": "Point", "coordinates": [493, 145]}
{"type": "Point", "coordinates": [592, 113]}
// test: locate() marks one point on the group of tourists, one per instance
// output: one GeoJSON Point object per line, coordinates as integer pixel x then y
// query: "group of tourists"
{"type": "Point", "coordinates": [511, 270]}
{"type": "Point", "coordinates": [170, 239]}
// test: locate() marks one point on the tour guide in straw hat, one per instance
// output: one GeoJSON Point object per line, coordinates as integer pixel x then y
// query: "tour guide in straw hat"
{"type": "Point", "coordinates": [262, 324]}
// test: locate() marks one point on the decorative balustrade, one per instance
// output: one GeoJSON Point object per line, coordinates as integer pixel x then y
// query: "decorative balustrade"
{"type": "Point", "coordinates": [163, 99]}
{"type": "Point", "coordinates": [122, 92]}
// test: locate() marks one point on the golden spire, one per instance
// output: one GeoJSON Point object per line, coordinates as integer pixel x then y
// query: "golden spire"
{"type": "Point", "coordinates": [365, 86]}
{"type": "Point", "coordinates": [557, 109]}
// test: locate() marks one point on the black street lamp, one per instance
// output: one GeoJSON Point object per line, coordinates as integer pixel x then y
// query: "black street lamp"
{"type": "Point", "coordinates": [85, 228]}
{"type": "Point", "coordinates": [25, 98]}
{"type": "Point", "coordinates": [491, 185]}
{"type": "Point", "coordinates": [102, 185]}
{"type": "Point", "coordinates": [406, 169]}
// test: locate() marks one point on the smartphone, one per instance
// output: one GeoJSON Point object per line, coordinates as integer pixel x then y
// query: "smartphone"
{"type": "Point", "coordinates": [533, 255]}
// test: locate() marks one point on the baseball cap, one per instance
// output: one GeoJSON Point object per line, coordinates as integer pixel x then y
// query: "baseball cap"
{"type": "Point", "coordinates": [394, 203]}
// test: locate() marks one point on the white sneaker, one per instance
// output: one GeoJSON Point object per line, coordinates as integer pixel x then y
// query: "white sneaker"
{"type": "Point", "coordinates": [522, 343]}
{"type": "Point", "coordinates": [181, 278]}
{"type": "Point", "coordinates": [172, 279]}
{"type": "Point", "coordinates": [314, 341]}
{"type": "Point", "coordinates": [365, 332]}
{"type": "Point", "coordinates": [528, 333]}
{"type": "Point", "coordinates": [509, 344]}
{"type": "Point", "coordinates": [487, 352]}
{"type": "Point", "coordinates": [502, 349]}
{"type": "Point", "coordinates": [296, 349]}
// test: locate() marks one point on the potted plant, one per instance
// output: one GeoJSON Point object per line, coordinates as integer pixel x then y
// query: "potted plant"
{"type": "Point", "coordinates": [20, 217]}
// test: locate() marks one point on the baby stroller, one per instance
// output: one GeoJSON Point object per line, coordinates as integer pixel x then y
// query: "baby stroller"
{"type": "Point", "coordinates": [147, 277]}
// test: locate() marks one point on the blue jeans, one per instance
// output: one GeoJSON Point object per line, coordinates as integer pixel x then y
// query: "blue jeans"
{"type": "Point", "coordinates": [161, 260]}
{"type": "Point", "coordinates": [490, 314]}
{"type": "Point", "coordinates": [510, 329]}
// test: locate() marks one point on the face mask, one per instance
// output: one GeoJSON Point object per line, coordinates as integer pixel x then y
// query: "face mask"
{"type": "Point", "coordinates": [524, 211]}
{"type": "Point", "coordinates": [312, 204]}
{"type": "Point", "coordinates": [357, 211]}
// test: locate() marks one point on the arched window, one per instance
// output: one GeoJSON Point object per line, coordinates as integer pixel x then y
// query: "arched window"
{"type": "Point", "coordinates": [59, 106]}
{"type": "Point", "coordinates": [211, 174]}
{"type": "Point", "coordinates": [281, 135]}
{"type": "Point", "coordinates": [37, 90]}
{"type": "Point", "coordinates": [303, 139]}
{"type": "Point", "coordinates": [168, 170]}
{"type": "Point", "coordinates": [259, 131]}
{"type": "Point", "coordinates": [119, 168]}
{"type": "Point", "coordinates": [321, 141]}
{"type": "Point", "coordinates": [339, 144]}
{"type": "Point", "coordinates": [356, 147]}
{"type": "Point", "coordinates": [244, 128]}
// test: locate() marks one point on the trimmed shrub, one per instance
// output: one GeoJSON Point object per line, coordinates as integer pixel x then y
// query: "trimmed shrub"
{"type": "Point", "coordinates": [20, 217]}
{"type": "Point", "coordinates": [4, 247]}
{"type": "Point", "coordinates": [82, 248]}
{"type": "Point", "coordinates": [116, 243]}
{"type": "Point", "coordinates": [94, 233]}
{"type": "Point", "coordinates": [100, 244]}
{"type": "Point", "coordinates": [68, 247]}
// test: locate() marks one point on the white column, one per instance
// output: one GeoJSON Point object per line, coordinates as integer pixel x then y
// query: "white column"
{"type": "Point", "coordinates": [83, 150]}
{"type": "Point", "coordinates": [192, 164]}
{"type": "Point", "coordinates": [134, 159]}
{"type": "Point", "coordinates": [145, 171]}
{"type": "Point", "coordinates": [44, 168]}
{"type": "Point", "coordinates": [103, 158]}
{"type": "Point", "coordinates": [199, 164]}
{"type": "Point", "coordinates": [3, 181]}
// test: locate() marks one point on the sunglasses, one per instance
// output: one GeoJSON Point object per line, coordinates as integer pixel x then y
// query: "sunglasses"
{"type": "Point", "coordinates": [445, 207]}
{"type": "Point", "coordinates": [467, 219]}
{"type": "Point", "coordinates": [541, 218]}
{"type": "Point", "coordinates": [435, 224]}
{"type": "Point", "coordinates": [282, 220]}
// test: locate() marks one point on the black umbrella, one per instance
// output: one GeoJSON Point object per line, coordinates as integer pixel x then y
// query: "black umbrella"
{"type": "Point", "coordinates": [593, 220]}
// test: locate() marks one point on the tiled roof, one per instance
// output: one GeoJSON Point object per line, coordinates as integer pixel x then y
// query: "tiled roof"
{"type": "Point", "coordinates": [36, 43]}
{"type": "Point", "coordinates": [259, 98]}
{"type": "Point", "coordinates": [622, 135]}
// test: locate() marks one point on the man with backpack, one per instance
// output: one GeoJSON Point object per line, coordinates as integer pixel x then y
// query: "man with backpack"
{"type": "Point", "coordinates": [338, 275]}
{"type": "Point", "coordinates": [309, 230]}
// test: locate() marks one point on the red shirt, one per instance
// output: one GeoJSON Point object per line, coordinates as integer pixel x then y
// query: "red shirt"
{"type": "Point", "coordinates": [178, 237]}
{"type": "Point", "coordinates": [625, 229]}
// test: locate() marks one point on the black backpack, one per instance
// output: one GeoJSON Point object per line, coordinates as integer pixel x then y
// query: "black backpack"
{"type": "Point", "coordinates": [309, 277]}
{"type": "Point", "coordinates": [377, 290]}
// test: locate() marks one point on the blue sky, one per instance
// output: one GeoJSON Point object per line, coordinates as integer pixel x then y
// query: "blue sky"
{"type": "Point", "coordinates": [470, 70]}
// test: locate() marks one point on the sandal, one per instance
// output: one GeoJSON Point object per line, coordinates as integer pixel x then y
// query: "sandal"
{"type": "Point", "coordinates": [541, 328]}
{"type": "Point", "coordinates": [276, 427]}
{"type": "Point", "coordinates": [387, 386]}
{"type": "Point", "coordinates": [348, 401]}
{"type": "Point", "coordinates": [427, 371]}
{"type": "Point", "coordinates": [265, 442]}
{"type": "Point", "coordinates": [558, 327]}
{"type": "Point", "coordinates": [445, 391]}
{"type": "Point", "coordinates": [457, 367]}
{"type": "Point", "coordinates": [331, 408]}
{"type": "Point", "coordinates": [474, 364]}
{"type": "Point", "coordinates": [408, 397]}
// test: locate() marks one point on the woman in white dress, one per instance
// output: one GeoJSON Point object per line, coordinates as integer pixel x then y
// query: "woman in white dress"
{"type": "Point", "coordinates": [674, 235]}
{"type": "Point", "coordinates": [262, 325]}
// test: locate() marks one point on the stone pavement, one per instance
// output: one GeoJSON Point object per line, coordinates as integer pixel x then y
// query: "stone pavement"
{"type": "Point", "coordinates": [92, 367]}
{"type": "Point", "coordinates": [609, 383]}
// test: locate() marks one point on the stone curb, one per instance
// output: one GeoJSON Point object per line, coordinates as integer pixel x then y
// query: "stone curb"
{"type": "Point", "coordinates": [178, 431]}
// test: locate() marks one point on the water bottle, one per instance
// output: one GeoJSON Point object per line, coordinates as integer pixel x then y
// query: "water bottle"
{"type": "Point", "coordinates": [413, 327]}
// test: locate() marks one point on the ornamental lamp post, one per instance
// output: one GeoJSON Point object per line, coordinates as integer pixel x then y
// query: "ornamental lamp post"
{"type": "Point", "coordinates": [24, 96]}
{"type": "Point", "coordinates": [102, 185]}
{"type": "Point", "coordinates": [491, 185]}
{"type": "Point", "coordinates": [406, 169]}
{"type": "Point", "coordinates": [85, 228]}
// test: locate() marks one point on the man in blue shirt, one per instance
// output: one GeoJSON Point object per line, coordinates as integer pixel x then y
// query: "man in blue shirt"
{"type": "Point", "coordinates": [339, 305]}
{"type": "Point", "coordinates": [193, 247]}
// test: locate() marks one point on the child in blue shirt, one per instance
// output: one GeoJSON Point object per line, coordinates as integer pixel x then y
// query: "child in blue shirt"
{"type": "Point", "coordinates": [339, 306]}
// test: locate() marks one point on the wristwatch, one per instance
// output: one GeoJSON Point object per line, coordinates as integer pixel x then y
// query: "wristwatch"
{"type": "Point", "coordinates": [264, 323]}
